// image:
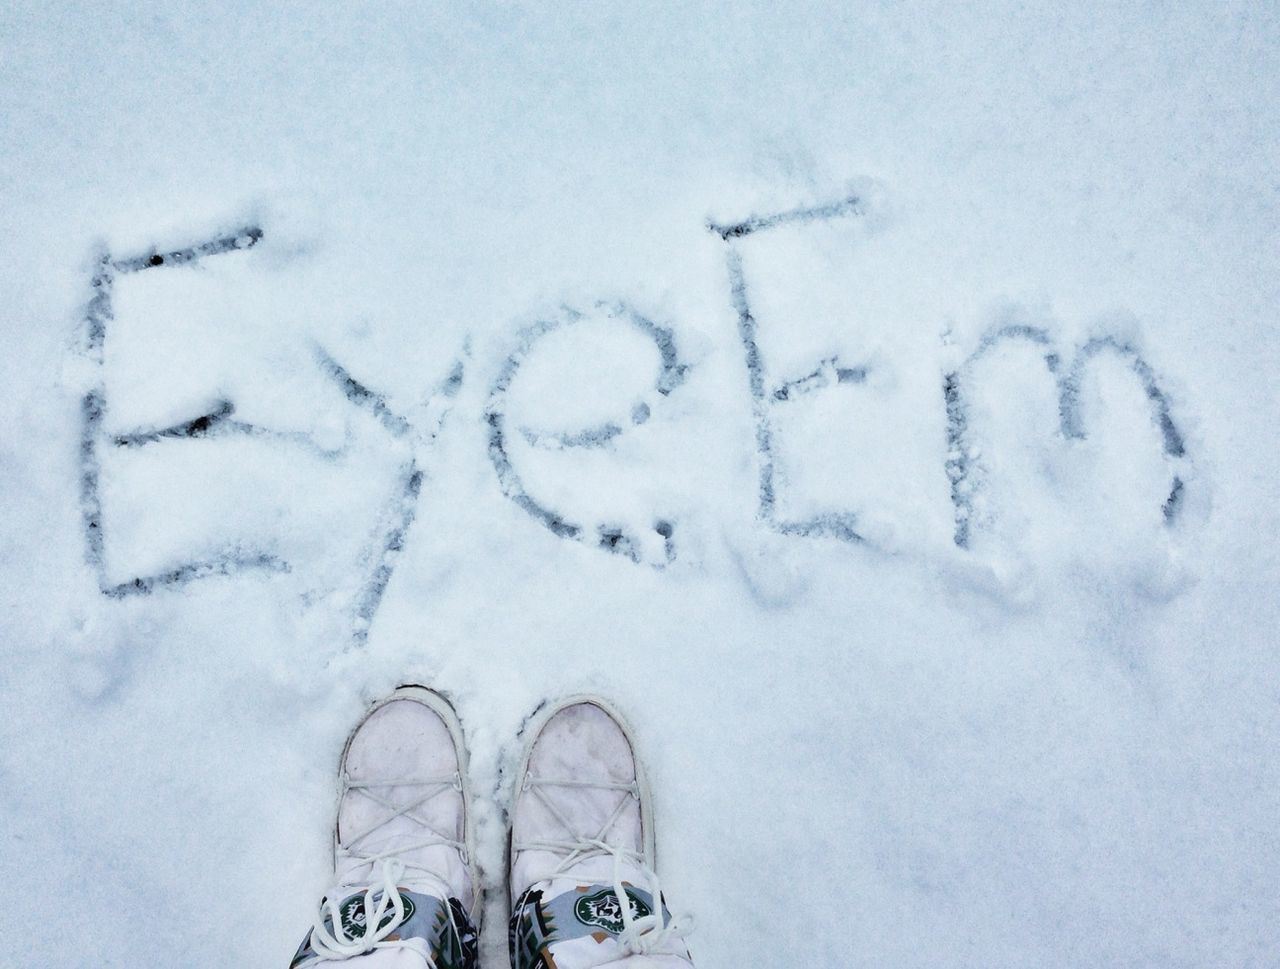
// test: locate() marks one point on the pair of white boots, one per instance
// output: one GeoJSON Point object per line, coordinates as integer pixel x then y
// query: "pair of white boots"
{"type": "Point", "coordinates": [406, 889]}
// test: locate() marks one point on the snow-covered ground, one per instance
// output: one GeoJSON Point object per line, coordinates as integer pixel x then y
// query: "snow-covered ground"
{"type": "Point", "coordinates": [878, 404]}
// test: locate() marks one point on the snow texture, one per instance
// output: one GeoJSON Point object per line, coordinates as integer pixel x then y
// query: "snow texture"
{"type": "Point", "coordinates": [878, 404]}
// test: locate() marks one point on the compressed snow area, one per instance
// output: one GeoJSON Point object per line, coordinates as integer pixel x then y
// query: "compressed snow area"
{"type": "Point", "coordinates": [922, 519]}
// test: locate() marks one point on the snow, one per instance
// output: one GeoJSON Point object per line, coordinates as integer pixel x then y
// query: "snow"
{"type": "Point", "coordinates": [1050, 744]}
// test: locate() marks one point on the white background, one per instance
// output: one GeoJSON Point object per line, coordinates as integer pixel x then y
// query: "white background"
{"type": "Point", "coordinates": [1056, 748]}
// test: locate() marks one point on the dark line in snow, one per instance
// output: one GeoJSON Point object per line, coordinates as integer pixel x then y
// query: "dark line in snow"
{"type": "Point", "coordinates": [91, 412]}
{"type": "Point", "coordinates": [851, 375]}
{"type": "Point", "coordinates": [495, 417]}
{"type": "Point", "coordinates": [98, 311]}
{"type": "Point", "coordinates": [960, 470]}
{"type": "Point", "coordinates": [755, 380]}
{"type": "Point", "coordinates": [1173, 504]}
{"type": "Point", "coordinates": [198, 427]}
{"type": "Point", "coordinates": [670, 376]}
{"type": "Point", "coordinates": [218, 423]}
{"type": "Point", "coordinates": [244, 238]}
{"type": "Point", "coordinates": [453, 383]}
{"type": "Point", "coordinates": [93, 407]}
{"type": "Point", "coordinates": [957, 465]}
{"type": "Point", "coordinates": [852, 205]}
{"type": "Point", "coordinates": [403, 515]}
{"type": "Point", "coordinates": [838, 525]}
{"type": "Point", "coordinates": [608, 537]}
{"type": "Point", "coordinates": [592, 437]}
{"type": "Point", "coordinates": [824, 375]}
{"type": "Point", "coordinates": [667, 530]}
{"type": "Point", "coordinates": [1070, 392]}
{"type": "Point", "coordinates": [232, 563]}
{"type": "Point", "coordinates": [362, 396]}
{"type": "Point", "coordinates": [832, 525]}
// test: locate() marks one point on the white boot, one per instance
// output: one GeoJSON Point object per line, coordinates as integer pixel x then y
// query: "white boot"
{"type": "Point", "coordinates": [582, 840]}
{"type": "Point", "coordinates": [404, 861]}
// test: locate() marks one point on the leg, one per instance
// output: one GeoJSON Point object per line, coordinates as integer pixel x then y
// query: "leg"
{"type": "Point", "coordinates": [584, 892]}
{"type": "Point", "coordinates": [403, 894]}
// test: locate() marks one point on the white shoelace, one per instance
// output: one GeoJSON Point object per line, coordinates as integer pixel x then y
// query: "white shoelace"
{"type": "Point", "coordinates": [332, 940]}
{"type": "Point", "coordinates": [651, 934]}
